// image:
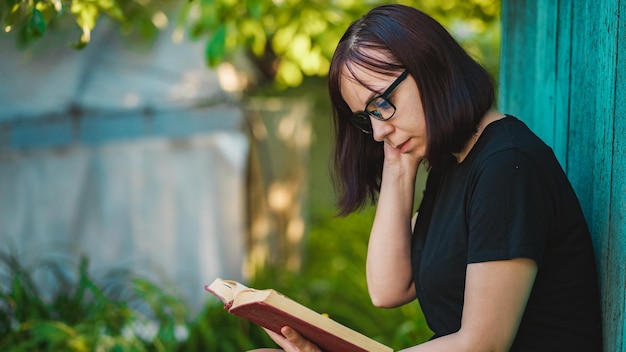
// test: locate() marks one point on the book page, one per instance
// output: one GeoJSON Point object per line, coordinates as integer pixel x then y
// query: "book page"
{"type": "Point", "coordinates": [225, 290]}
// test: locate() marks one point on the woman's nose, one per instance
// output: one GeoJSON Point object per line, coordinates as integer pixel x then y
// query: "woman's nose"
{"type": "Point", "coordinates": [380, 129]}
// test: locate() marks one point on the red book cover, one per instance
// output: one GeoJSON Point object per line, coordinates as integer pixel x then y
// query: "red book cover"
{"type": "Point", "coordinates": [273, 310]}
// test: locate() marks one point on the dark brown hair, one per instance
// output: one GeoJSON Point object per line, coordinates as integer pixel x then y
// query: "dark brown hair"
{"type": "Point", "coordinates": [455, 91]}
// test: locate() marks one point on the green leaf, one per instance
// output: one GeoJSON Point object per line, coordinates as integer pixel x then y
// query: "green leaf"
{"type": "Point", "coordinates": [216, 47]}
{"type": "Point", "coordinates": [256, 8]}
{"type": "Point", "coordinates": [86, 13]}
{"type": "Point", "coordinates": [113, 9]}
{"type": "Point", "coordinates": [53, 332]}
{"type": "Point", "coordinates": [36, 26]}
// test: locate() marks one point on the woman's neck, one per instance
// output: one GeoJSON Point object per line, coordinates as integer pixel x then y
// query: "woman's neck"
{"type": "Point", "coordinates": [489, 117]}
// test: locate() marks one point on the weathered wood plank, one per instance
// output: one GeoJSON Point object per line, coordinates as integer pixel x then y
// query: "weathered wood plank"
{"type": "Point", "coordinates": [616, 335]}
{"type": "Point", "coordinates": [563, 79]}
{"type": "Point", "coordinates": [530, 45]}
{"type": "Point", "coordinates": [580, 153]}
{"type": "Point", "coordinates": [544, 74]}
{"type": "Point", "coordinates": [515, 51]}
{"type": "Point", "coordinates": [575, 78]}
{"type": "Point", "coordinates": [604, 21]}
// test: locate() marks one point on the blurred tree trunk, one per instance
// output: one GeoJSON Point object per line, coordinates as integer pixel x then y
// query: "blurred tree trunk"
{"type": "Point", "coordinates": [280, 135]}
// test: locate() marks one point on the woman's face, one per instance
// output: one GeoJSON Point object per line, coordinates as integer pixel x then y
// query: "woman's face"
{"type": "Point", "coordinates": [406, 130]}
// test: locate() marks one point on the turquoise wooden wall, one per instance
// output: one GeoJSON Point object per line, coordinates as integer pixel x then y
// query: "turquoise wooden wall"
{"type": "Point", "coordinates": [563, 71]}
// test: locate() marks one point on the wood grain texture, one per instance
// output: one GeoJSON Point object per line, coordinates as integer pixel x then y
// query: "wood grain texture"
{"type": "Point", "coordinates": [563, 71]}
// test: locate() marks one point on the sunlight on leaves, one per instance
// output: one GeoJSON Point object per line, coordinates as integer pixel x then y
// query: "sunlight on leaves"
{"type": "Point", "coordinates": [86, 14]}
{"type": "Point", "coordinates": [283, 37]}
{"type": "Point", "coordinates": [289, 74]}
{"type": "Point", "coordinates": [159, 19]}
{"type": "Point", "coordinates": [286, 39]}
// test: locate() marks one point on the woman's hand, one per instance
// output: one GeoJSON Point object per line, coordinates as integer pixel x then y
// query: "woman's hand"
{"type": "Point", "coordinates": [409, 161]}
{"type": "Point", "coordinates": [290, 341]}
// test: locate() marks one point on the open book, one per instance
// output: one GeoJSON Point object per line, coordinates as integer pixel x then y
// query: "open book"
{"type": "Point", "coordinates": [273, 310]}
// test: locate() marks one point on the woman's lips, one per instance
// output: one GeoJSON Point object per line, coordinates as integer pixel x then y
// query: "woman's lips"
{"type": "Point", "coordinates": [404, 146]}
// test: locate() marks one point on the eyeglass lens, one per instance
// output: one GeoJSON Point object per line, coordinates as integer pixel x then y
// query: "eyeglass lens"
{"type": "Point", "coordinates": [380, 108]}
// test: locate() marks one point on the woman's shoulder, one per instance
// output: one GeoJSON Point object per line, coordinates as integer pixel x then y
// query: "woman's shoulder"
{"type": "Point", "coordinates": [511, 135]}
{"type": "Point", "coordinates": [511, 143]}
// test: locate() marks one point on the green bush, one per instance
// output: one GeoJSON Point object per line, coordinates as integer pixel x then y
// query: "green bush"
{"type": "Point", "coordinates": [123, 312]}
{"type": "Point", "coordinates": [216, 330]}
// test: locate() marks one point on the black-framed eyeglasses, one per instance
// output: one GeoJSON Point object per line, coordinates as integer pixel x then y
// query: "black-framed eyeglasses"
{"type": "Point", "coordinates": [379, 107]}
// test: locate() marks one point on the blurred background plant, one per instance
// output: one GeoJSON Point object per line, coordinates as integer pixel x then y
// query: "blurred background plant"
{"type": "Point", "coordinates": [118, 311]}
{"type": "Point", "coordinates": [276, 48]}
{"type": "Point", "coordinates": [286, 40]}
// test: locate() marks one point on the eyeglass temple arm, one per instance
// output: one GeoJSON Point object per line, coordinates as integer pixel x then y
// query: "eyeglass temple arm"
{"type": "Point", "coordinates": [395, 83]}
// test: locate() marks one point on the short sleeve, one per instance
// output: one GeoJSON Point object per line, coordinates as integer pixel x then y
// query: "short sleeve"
{"type": "Point", "coordinates": [508, 209]}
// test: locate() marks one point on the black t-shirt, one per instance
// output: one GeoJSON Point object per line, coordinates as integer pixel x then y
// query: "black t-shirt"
{"type": "Point", "coordinates": [509, 199]}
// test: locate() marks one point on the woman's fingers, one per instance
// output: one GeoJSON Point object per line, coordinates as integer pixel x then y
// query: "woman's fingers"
{"type": "Point", "coordinates": [292, 341]}
{"type": "Point", "coordinates": [393, 155]}
{"type": "Point", "coordinates": [293, 337]}
{"type": "Point", "coordinates": [278, 338]}
{"type": "Point", "coordinates": [297, 341]}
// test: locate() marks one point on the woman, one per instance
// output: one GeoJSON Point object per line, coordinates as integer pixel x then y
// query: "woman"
{"type": "Point", "coordinates": [500, 256]}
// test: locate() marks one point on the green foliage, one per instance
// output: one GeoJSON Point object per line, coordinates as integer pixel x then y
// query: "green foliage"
{"type": "Point", "coordinates": [287, 40]}
{"type": "Point", "coordinates": [216, 330]}
{"type": "Point", "coordinates": [119, 312]}
{"type": "Point", "coordinates": [125, 313]}
{"type": "Point", "coordinates": [290, 39]}
{"type": "Point", "coordinates": [31, 19]}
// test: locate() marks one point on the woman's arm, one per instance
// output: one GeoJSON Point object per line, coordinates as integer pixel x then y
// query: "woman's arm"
{"type": "Point", "coordinates": [388, 266]}
{"type": "Point", "coordinates": [496, 294]}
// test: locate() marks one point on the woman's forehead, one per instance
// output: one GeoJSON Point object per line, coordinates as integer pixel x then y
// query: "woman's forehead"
{"type": "Point", "coordinates": [359, 84]}
{"type": "Point", "coordinates": [373, 80]}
